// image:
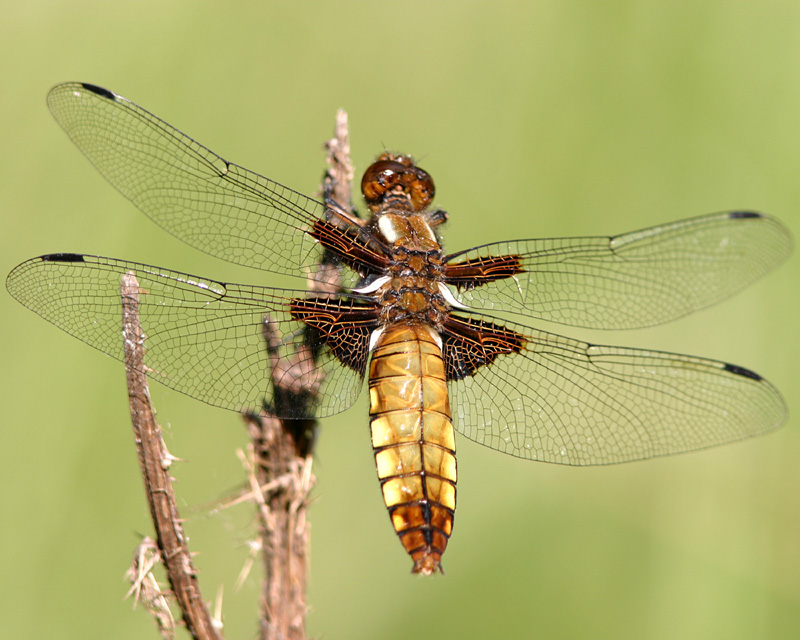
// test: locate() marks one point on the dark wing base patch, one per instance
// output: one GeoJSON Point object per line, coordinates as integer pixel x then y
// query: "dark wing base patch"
{"type": "Point", "coordinates": [474, 272]}
{"type": "Point", "coordinates": [344, 325]}
{"type": "Point", "coordinates": [470, 343]}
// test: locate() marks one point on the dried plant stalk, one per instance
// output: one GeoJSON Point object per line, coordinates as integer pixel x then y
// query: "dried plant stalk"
{"type": "Point", "coordinates": [283, 448]}
{"type": "Point", "coordinates": [281, 458]}
{"type": "Point", "coordinates": [155, 460]}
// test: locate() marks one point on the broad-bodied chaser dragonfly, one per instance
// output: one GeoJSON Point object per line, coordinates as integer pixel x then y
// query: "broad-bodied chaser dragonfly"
{"type": "Point", "coordinates": [417, 321]}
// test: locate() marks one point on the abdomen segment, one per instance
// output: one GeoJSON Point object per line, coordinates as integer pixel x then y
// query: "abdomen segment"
{"type": "Point", "coordinates": [412, 434]}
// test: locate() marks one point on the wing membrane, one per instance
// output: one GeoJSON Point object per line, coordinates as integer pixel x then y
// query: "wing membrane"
{"type": "Point", "coordinates": [633, 280]}
{"type": "Point", "coordinates": [203, 338]}
{"type": "Point", "coordinates": [570, 402]}
{"type": "Point", "coordinates": [214, 205]}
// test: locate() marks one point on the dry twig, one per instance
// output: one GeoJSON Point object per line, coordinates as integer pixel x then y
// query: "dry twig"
{"type": "Point", "coordinates": [280, 461]}
{"type": "Point", "coordinates": [155, 460]}
{"type": "Point", "coordinates": [282, 449]}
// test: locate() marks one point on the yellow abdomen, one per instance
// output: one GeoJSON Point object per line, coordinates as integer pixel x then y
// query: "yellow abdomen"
{"type": "Point", "coordinates": [412, 434]}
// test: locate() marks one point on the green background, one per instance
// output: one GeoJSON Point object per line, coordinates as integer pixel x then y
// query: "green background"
{"type": "Point", "coordinates": [536, 119]}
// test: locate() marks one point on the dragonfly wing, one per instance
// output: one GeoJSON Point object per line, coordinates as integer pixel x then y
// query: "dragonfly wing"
{"type": "Point", "coordinates": [214, 205]}
{"type": "Point", "coordinates": [633, 280]}
{"type": "Point", "coordinates": [204, 338]}
{"type": "Point", "coordinates": [546, 397]}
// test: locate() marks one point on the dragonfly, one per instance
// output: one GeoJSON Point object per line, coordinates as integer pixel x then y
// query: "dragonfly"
{"type": "Point", "coordinates": [428, 329]}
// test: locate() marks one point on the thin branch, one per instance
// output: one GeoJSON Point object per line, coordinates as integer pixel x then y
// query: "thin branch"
{"type": "Point", "coordinates": [281, 450]}
{"type": "Point", "coordinates": [279, 462]}
{"type": "Point", "coordinates": [155, 460]}
{"type": "Point", "coordinates": [146, 590]}
{"type": "Point", "coordinates": [284, 531]}
{"type": "Point", "coordinates": [337, 183]}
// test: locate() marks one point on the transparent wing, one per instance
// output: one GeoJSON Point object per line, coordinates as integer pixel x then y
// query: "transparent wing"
{"type": "Point", "coordinates": [203, 338]}
{"type": "Point", "coordinates": [569, 402]}
{"type": "Point", "coordinates": [211, 204]}
{"type": "Point", "coordinates": [633, 280]}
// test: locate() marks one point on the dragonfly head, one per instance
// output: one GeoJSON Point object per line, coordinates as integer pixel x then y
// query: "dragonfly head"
{"type": "Point", "coordinates": [396, 178]}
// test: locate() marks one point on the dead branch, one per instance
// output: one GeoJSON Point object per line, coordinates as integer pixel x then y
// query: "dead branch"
{"type": "Point", "coordinates": [155, 460]}
{"type": "Point", "coordinates": [146, 590]}
{"type": "Point", "coordinates": [282, 449]}
{"type": "Point", "coordinates": [279, 462]}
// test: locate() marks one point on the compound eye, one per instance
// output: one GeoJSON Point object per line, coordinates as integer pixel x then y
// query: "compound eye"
{"type": "Point", "coordinates": [421, 190]}
{"type": "Point", "coordinates": [380, 177]}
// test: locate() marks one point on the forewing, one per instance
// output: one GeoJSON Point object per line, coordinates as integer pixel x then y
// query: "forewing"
{"type": "Point", "coordinates": [569, 402]}
{"type": "Point", "coordinates": [206, 201]}
{"type": "Point", "coordinates": [202, 337]}
{"type": "Point", "coordinates": [633, 280]}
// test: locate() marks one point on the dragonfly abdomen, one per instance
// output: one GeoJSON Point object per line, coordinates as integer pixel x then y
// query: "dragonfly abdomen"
{"type": "Point", "coordinates": [412, 434]}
